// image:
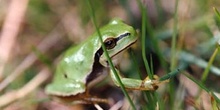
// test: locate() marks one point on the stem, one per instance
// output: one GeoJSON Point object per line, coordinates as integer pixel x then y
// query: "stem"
{"type": "Point", "coordinates": [206, 72]}
{"type": "Point", "coordinates": [107, 56]}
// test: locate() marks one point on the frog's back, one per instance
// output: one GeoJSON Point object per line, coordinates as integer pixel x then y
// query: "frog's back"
{"type": "Point", "coordinates": [73, 69]}
{"type": "Point", "coordinates": [77, 62]}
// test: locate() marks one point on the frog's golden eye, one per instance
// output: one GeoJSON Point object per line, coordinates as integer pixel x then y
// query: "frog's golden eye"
{"type": "Point", "coordinates": [110, 43]}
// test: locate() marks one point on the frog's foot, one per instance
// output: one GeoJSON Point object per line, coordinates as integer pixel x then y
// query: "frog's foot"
{"type": "Point", "coordinates": [151, 84]}
{"type": "Point", "coordinates": [137, 84]}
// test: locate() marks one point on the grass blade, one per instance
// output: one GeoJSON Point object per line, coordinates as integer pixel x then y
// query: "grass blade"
{"type": "Point", "coordinates": [107, 55]}
{"type": "Point", "coordinates": [206, 72]}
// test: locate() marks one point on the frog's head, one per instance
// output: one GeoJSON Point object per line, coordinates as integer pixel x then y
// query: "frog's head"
{"type": "Point", "coordinates": [117, 36]}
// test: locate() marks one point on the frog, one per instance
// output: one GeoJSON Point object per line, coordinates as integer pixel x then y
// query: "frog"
{"type": "Point", "coordinates": [83, 63]}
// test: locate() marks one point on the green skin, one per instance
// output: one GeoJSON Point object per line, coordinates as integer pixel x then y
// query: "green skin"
{"type": "Point", "coordinates": [81, 64]}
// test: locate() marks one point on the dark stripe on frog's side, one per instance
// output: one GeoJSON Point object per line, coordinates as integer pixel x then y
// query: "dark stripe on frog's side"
{"type": "Point", "coordinates": [97, 66]}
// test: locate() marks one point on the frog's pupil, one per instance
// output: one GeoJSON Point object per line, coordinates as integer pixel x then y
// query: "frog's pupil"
{"type": "Point", "coordinates": [110, 43]}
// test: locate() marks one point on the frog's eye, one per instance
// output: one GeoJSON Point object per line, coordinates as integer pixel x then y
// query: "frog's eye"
{"type": "Point", "coordinates": [110, 43]}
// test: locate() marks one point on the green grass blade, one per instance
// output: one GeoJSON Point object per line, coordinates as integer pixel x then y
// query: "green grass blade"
{"type": "Point", "coordinates": [192, 59]}
{"type": "Point", "coordinates": [150, 96]}
{"type": "Point", "coordinates": [206, 72]}
{"type": "Point", "coordinates": [143, 39]}
{"type": "Point", "coordinates": [107, 55]}
{"type": "Point", "coordinates": [202, 86]}
{"type": "Point", "coordinates": [174, 73]}
{"type": "Point", "coordinates": [173, 54]}
{"type": "Point", "coordinates": [216, 12]}
{"type": "Point", "coordinates": [173, 45]}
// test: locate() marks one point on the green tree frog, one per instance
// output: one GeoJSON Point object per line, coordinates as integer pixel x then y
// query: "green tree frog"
{"type": "Point", "coordinates": [83, 63]}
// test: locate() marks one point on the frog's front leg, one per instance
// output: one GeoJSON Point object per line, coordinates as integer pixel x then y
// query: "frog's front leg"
{"type": "Point", "coordinates": [136, 84]}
